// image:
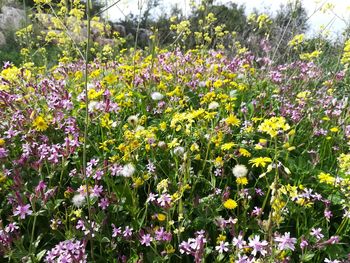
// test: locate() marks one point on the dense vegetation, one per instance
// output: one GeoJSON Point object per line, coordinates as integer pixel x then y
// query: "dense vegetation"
{"type": "Point", "coordinates": [203, 144]}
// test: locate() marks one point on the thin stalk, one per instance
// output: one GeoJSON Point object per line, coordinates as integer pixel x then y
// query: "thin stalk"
{"type": "Point", "coordinates": [136, 40]}
{"type": "Point", "coordinates": [107, 8]}
{"type": "Point", "coordinates": [31, 252]}
{"type": "Point", "coordinates": [86, 124]}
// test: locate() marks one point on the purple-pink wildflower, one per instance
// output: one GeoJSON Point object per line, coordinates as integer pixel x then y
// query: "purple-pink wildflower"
{"type": "Point", "coordinates": [22, 211]}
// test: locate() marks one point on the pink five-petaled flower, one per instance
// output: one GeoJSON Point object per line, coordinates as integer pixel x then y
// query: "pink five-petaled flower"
{"type": "Point", "coordinates": [116, 231]}
{"type": "Point", "coordinates": [146, 240]}
{"type": "Point", "coordinates": [239, 242]}
{"type": "Point", "coordinates": [286, 242]}
{"type": "Point", "coordinates": [164, 200]}
{"type": "Point", "coordinates": [23, 210]}
{"type": "Point", "coordinates": [222, 247]}
{"type": "Point", "coordinates": [317, 233]}
{"type": "Point", "coordinates": [104, 203]}
{"type": "Point", "coordinates": [257, 245]}
{"type": "Point", "coordinates": [127, 233]}
{"type": "Point", "coordinates": [162, 235]}
{"type": "Point", "coordinates": [152, 197]}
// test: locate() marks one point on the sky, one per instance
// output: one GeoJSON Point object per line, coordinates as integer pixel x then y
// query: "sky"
{"type": "Point", "coordinates": [335, 20]}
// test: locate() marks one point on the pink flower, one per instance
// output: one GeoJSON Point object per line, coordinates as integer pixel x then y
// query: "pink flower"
{"type": "Point", "coordinates": [104, 203]}
{"type": "Point", "coordinates": [146, 240]}
{"type": "Point", "coordinates": [23, 210]}
{"type": "Point", "coordinates": [286, 242]}
{"type": "Point", "coordinates": [317, 233]}
{"type": "Point", "coordinates": [222, 247]}
{"type": "Point", "coordinates": [257, 245]}
{"type": "Point", "coordinates": [127, 232]}
{"type": "Point", "coordinates": [116, 231]}
{"type": "Point", "coordinates": [239, 242]}
{"type": "Point", "coordinates": [164, 200]}
{"type": "Point", "coordinates": [152, 197]}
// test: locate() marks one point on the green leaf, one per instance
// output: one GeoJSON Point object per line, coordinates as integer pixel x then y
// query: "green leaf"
{"type": "Point", "coordinates": [105, 240]}
{"type": "Point", "coordinates": [307, 257]}
{"type": "Point", "coordinates": [335, 198]}
{"type": "Point", "coordinates": [40, 255]}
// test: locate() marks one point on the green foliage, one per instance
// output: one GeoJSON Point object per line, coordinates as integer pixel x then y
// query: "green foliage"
{"type": "Point", "coordinates": [10, 51]}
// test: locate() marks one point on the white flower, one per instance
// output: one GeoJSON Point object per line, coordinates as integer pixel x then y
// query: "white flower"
{"type": "Point", "coordinates": [157, 96]}
{"type": "Point", "coordinates": [133, 120]}
{"type": "Point", "coordinates": [78, 200]}
{"type": "Point", "coordinates": [139, 128]}
{"type": "Point", "coordinates": [240, 170]}
{"type": "Point", "coordinates": [179, 151]}
{"type": "Point", "coordinates": [127, 170]}
{"type": "Point", "coordinates": [93, 106]}
{"type": "Point", "coordinates": [162, 145]}
{"type": "Point", "coordinates": [213, 105]}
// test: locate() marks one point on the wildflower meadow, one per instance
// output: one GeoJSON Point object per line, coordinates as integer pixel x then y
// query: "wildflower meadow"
{"type": "Point", "coordinates": [205, 149]}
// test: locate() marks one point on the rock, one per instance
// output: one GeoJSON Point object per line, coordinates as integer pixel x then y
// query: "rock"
{"type": "Point", "coordinates": [144, 35]}
{"type": "Point", "coordinates": [12, 18]}
{"type": "Point", "coordinates": [105, 41]}
{"type": "Point", "coordinates": [119, 28]}
{"type": "Point", "coordinates": [2, 39]}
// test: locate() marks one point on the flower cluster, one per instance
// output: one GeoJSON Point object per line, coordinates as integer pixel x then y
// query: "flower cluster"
{"type": "Point", "coordinates": [175, 155]}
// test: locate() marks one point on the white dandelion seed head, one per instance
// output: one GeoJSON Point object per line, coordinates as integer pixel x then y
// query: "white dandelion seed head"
{"type": "Point", "coordinates": [157, 96]}
{"type": "Point", "coordinates": [240, 171]}
{"type": "Point", "coordinates": [128, 170]}
{"type": "Point", "coordinates": [78, 200]}
{"type": "Point", "coordinates": [179, 151]}
{"type": "Point", "coordinates": [133, 120]}
{"type": "Point", "coordinates": [162, 144]}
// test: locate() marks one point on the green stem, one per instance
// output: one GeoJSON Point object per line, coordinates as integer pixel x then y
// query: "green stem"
{"type": "Point", "coordinates": [88, 8]}
{"type": "Point", "coordinates": [31, 252]}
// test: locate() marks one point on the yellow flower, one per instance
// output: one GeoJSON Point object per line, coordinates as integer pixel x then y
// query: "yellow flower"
{"type": "Point", "coordinates": [3, 178]}
{"type": "Point", "coordinates": [40, 124]}
{"type": "Point", "coordinates": [344, 163]}
{"type": "Point", "coordinates": [220, 238]}
{"type": "Point", "coordinates": [106, 122]}
{"type": "Point", "coordinates": [111, 79]}
{"type": "Point", "coordinates": [218, 83]}
{"type": "Point", "coordinates": [230, 204]}
{"type": "Point", "coordinates": [194, 147]}
{"type": "Point", "coordinates": [273, 125]}
{"type": "Point", "coordinates": [334, 129]}
{"type": "Point", "coordinates": [169, 249]}
{"type": "Point", "coordinates": [2, 141]}
{"type": "Point", "coordinates": [162, 126]}
{"type": "Point", "coordinates": [173, 143]}
{"type": "Point", "coordinates": [232, 120]}
{"type": "Point", "coordinates": [227, 146]}
{"type": "Point", "coordinates": [77, 213]}
{"type": "Point", "coordinates": [297, 40]}
{"type": "Point", "coordinates": [244, 152]}
{"type": "Point", "coordinates": [242, 181]}
{"type": "Point", "coordinates": [326, 178]}
{"type": "Point", "coordinates": [161, 217]}
{"type": "Point", "coordinates": [218, 161]}
{"type": "Point", "coordinates": [260, 161]}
